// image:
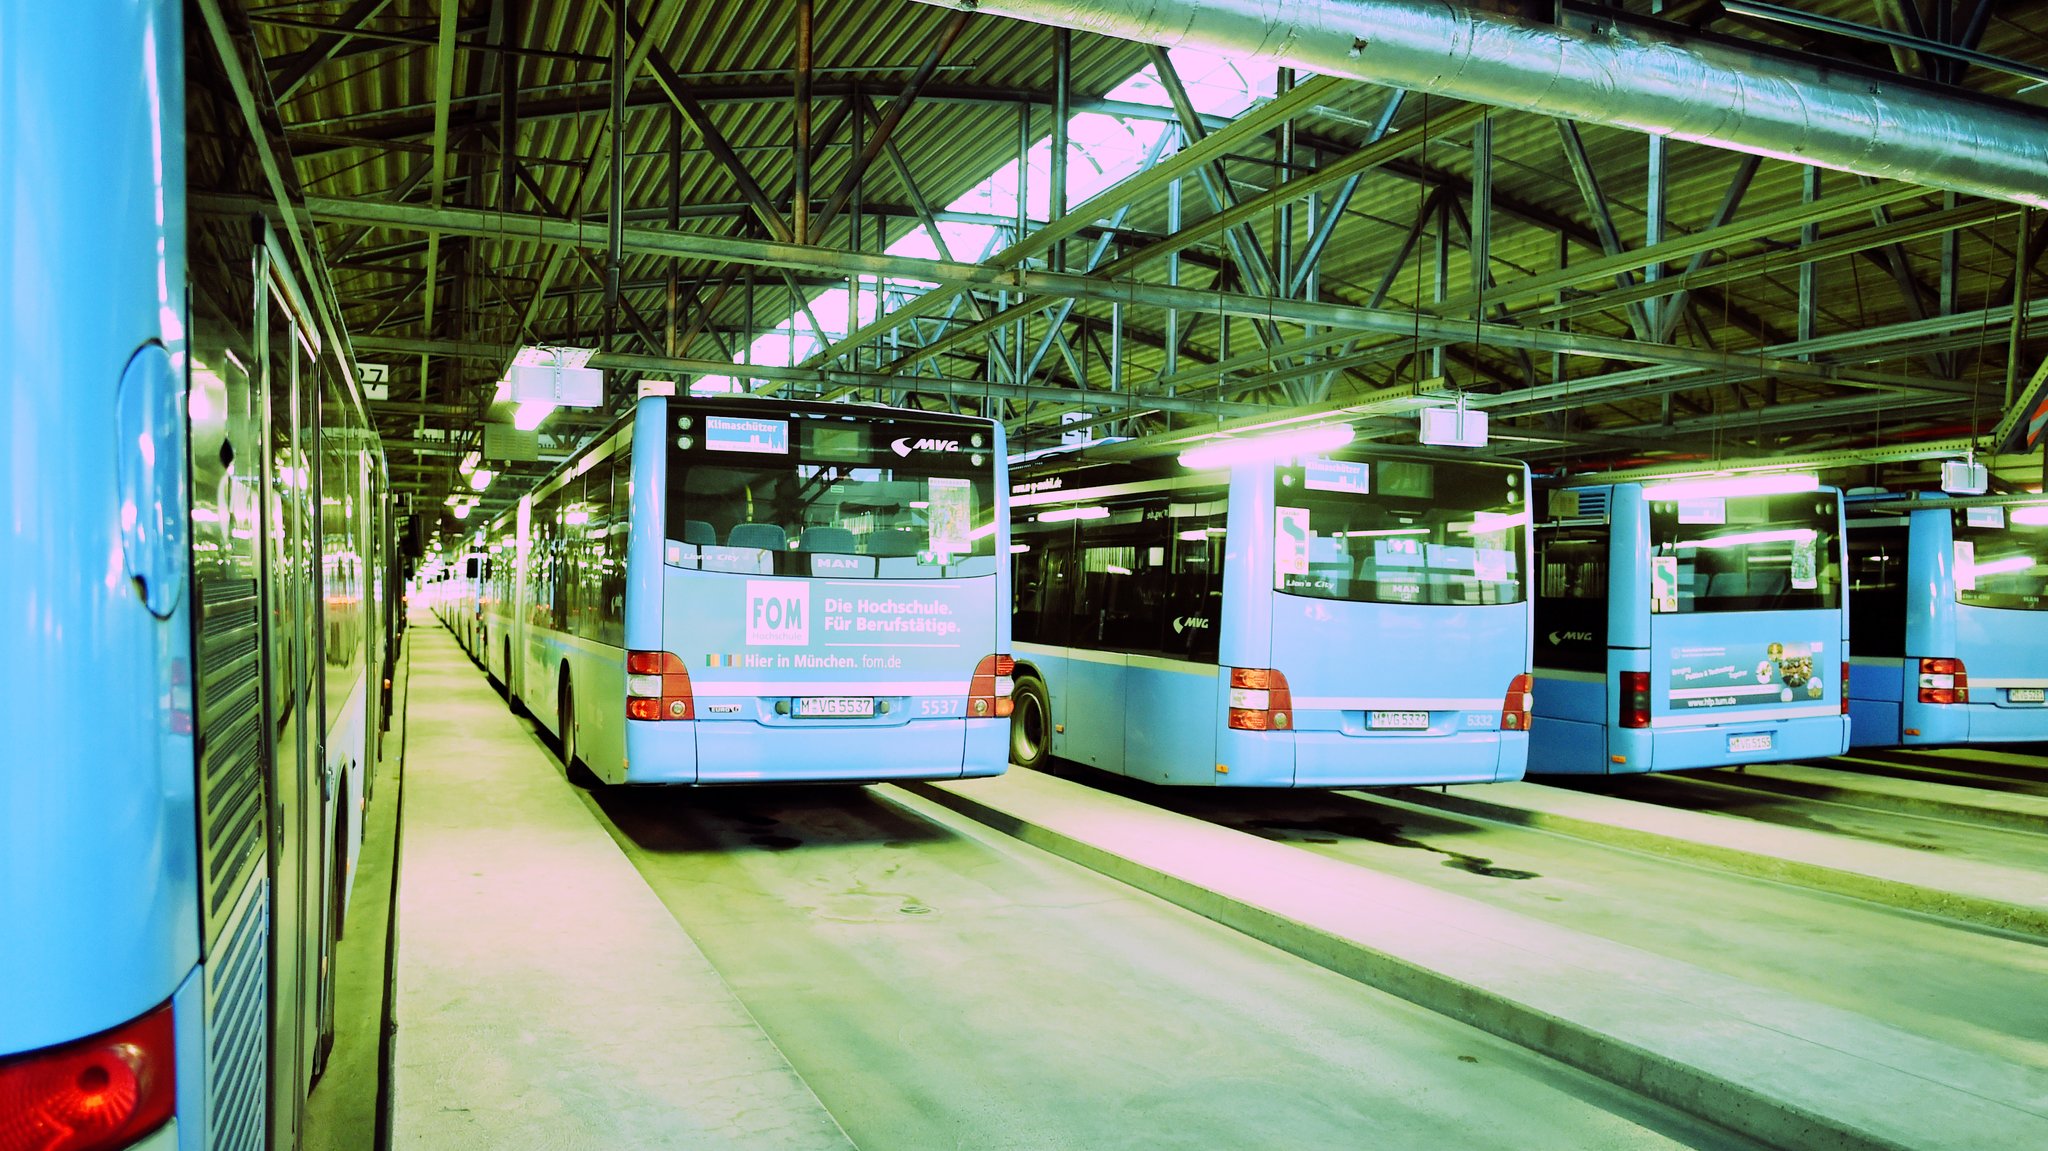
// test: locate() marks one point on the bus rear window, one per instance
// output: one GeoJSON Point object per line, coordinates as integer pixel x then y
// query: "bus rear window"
{"type": "Point", "coordinates": [820, 497]}
{"type": "Point", "coordinates": [1745, 553]}
{"type": "Point", "coordinates": [1400, 531]}
{"type": "Point", "coordinates": [2001, 561]}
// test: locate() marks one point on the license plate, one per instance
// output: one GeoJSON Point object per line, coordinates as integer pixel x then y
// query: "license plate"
{"type": "Point", "coordinates": [1750, 742]}
{"type": "Point", "coordinates": [2023, 694]}
{"type": "Point", "coordinates": [834, 706]}
{"type": "Point", "coordinates": [1397, 720]}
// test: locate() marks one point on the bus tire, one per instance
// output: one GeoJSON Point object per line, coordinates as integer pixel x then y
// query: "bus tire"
{"type": "Point", "coordinates": [511, 696]}
{"type": "Point", "coordinates": [1030, 723]}
{"type": "Point", "coordinates": [572, 762]}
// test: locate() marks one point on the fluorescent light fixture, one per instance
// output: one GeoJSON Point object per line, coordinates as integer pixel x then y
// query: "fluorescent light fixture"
{"type": "Point", "coordinates": [1061, 515]}
{"type": "Point", "coordinates": [547, 356]}
{"type": "Point", "coordinates": [920, 503]}
{"type": "Point", "coordinates": [480, 479]}
{"type": "Point", "coordinates": [1019, 549]}
{"type": "Point", "coordinates": [1386, 532]}
{"type": "Point", "coordinates": [1707, 487]}
{"type": "Point", "coordinates": [1278, 446]}
{"type": "Point", "coordinates": [462, 511]}
{"type": "Point", "coordinates": [531, 413]}
{"type": "Point", "coordinates": [2007, 566]}
{"type": "Point", "coordinates": [470, 462]}
{"type": "Point", "coordinates": [577, 516]}
{"type": "Point", "coordinates": [2032, 515]}
{"type": "Point", "coordinates": [987, 529]}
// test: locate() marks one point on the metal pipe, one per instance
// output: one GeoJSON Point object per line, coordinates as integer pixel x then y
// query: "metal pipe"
{"type": "Point", "coordinates": [800, 204]}
{"type": "Point", "coordinates": [1062, 94]}
{"type": "Point", "coordinates": [1641, 78]}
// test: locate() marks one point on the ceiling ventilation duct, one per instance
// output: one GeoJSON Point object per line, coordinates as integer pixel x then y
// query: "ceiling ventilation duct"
{"type": "Point", "coordinates": [1644, 79]}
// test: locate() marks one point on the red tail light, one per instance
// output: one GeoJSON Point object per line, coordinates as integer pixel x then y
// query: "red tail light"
{"type": "Point", "coordinates": [1260, 700]}
{"type": "Point", "coordinates": [1843, 683]}
{"type": "Point", "coordinates": [988, 693]}
{"type": "Point", "coordinates": [1514, 708]}
{"type": "Point", "coordinates": [95, 1095]}
{"type": "Point", "coordinates": [1635, 699]}
{"type": "Point", "coordinates": [1944, 681]}
{"type": "Point", "coordinates": [658, 686]}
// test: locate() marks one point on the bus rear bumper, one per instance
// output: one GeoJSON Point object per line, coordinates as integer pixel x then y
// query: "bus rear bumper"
{"type": "Point", "coordinates": [1950, 724]}
{"type": "Point", "coordinates": [1683, 749]}
{"type": "Point", "coordinates": [1334, 759]}
{"type": "Point", "coordinates": [738, 751]}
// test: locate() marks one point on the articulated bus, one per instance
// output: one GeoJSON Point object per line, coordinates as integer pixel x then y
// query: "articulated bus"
{"type": "Point", "coordinates": [1951, 620]}
{"type": "Point", "coordinates": [1689, 625]}
{"type": "Point", "coordinates": [762, 591]}
{"type": "Point", "coordinates": [1357, 619]}
{"type": "Point", "coordinates": [192, 604]}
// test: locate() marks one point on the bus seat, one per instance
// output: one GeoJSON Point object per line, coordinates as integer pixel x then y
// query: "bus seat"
{"type": "Point", "coordinates": [836, 540]}
{"type": "Point", "coordinates": [700, 533]}
{"type": "Point", "coordinates": [767, 537]}
{"type": "Point", "coordinates": [893, 542]}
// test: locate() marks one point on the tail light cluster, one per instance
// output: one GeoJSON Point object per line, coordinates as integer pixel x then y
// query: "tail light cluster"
{"type": "Point", "coordinates": [657, 686]}
{"type": "Point", "coordinates": [95, 1095]}
{"type": "Point", "coordinates": [1843, 685]}
{"type": "Point", "coordinates": [1944, 681]}
{"type": "Point", "coordinates": [1260, 700]}
{"type": "Point", "coordinates": [988, 693]}
{"type": "Point", "coordinates": [1635, 699]}
{"type": "Point", "coordinates": [1514, 708]}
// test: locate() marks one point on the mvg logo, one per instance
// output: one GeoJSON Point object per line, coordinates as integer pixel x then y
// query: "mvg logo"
{"type": "Point", "coordinates": [778, 614]}
{"type": "Point", "coordinates": [906, 445]}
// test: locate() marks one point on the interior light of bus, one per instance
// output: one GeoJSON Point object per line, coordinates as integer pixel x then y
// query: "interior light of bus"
{"type": "Point", "coordinates": [989, 692]}
{"type": "Point", "coordinates": [2031, 515]}
{"type": "Point", "coordinates": [2010, 565]}
{"type": "Point", "coordinates": [1635, 699]}
{"type": "Point", "coordinates": [1707, 487]}
{"type": "Point", "coordinates": [94, 1095]}
{"type": "Point", "coordinates": [1260, 700]}
{"type": "Point", "coordinates": [657, 686]}
{"type": "Point", "coordinates": [1944, 681]}
{"type": "Point", "coordinates": [1515, 706]}
{"type": "Point", "coordinates": [1061, 515]}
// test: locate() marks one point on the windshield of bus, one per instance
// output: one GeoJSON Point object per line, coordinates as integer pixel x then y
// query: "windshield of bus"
{"type": "Point", "coordinates": [851, 497]}
{"type": "Point", "coordinates": [2001, 557]}
{"type": "Point", "coordinates": [1400, 531]}
{"type": "Point", "coordinates": [1745, 553]}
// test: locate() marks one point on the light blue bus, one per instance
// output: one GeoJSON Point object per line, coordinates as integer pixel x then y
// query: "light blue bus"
{"type": "Point", "coordinates": [192, 605]}
{"type": "Point", "coordinates": [1689, 624]}
{"type": "Point", "coordinates": [1348, 620]}
{"type": "Point", "coordinates": [721, 591]}
{"type": "Point", "coordinates": [1950, 621]}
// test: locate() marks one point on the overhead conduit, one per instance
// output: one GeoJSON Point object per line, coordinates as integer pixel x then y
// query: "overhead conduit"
{"type": "Point", "coordinates": [1643, 79]}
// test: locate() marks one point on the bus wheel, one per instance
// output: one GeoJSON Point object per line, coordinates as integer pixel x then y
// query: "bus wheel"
{"type": "Point", "coordinates": [511, 696]}
{"type": "Point", "coordinates": [572, 762]}
{"type": "Point", "coordinates": [1030, 723]}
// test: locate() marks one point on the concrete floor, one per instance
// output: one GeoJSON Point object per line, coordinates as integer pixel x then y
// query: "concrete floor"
{"type": "Point", "coordinates": [940, 985]}
{"type": "Point", "coordinates": [1971, 987]}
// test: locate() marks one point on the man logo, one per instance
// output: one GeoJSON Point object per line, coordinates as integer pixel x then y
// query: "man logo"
{"type": "Point", "coordinates": [906, 445]}
{"type": "Point", "coordinates": [835, 563]}
{"type": "Point", "coordinates": [778, 613]}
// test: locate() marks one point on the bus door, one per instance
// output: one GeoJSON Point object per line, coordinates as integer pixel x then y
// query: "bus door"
{"type": "Point", "coordinates": [298, 850]}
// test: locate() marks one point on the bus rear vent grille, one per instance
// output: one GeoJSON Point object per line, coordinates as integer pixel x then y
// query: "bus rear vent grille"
{"type": "Point", "coordinates": [237, 1009]}
{"type": "Point", "coordinates": [230, 709]}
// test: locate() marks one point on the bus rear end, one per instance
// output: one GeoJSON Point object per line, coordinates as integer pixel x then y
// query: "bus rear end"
{"type": "Point", "coordinates": [1398, 644]}
{"type": "Point", "coordinates": [1983, 678]}
{"type": "Point", "coordinates": [831, 605]}
{"type": "Point", "coordinates": [1734, 645]}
